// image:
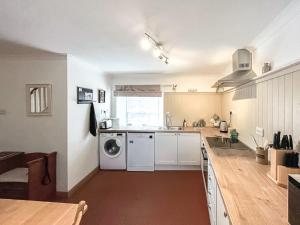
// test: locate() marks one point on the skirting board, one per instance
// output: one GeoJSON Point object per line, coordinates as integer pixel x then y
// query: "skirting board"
{"type": "Point", "coordinates": [170, 167]}
{"type": "Point", "coordinates": [78, 185]}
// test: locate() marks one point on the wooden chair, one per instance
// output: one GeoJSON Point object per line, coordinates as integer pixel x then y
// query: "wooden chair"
{"type": "Point", "coordinates": [32, 178]}
{"type": "Point", "coordinates": [81, 210]}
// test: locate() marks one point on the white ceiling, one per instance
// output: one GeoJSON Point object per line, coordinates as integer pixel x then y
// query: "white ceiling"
{"type": "Point", "coordinates": [200, 35]}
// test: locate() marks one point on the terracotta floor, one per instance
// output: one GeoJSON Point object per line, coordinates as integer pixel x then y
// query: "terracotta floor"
{"type": "Point", "coordinates": [144, 198]}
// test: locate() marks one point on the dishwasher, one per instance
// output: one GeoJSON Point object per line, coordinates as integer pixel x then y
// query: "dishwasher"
{"type": "Point", "coordinates": [140, 151]}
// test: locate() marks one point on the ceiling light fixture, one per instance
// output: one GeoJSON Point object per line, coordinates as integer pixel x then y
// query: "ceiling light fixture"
{"type": "Point", "coordinates": [158, 51]}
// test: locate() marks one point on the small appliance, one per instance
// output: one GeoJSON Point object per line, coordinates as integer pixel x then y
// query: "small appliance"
{"type": "Point", "coordinates": [293, 199]}
{"type": "Point", "coordinates": [105, 124]}
{"type": "Point", "coordinates": [223, 126]}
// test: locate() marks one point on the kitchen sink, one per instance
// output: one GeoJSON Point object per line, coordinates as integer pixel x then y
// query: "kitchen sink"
{"type": "Point", "coordinates": [225, 143]}
{"type": "Point", "coordinates": [174, 128]}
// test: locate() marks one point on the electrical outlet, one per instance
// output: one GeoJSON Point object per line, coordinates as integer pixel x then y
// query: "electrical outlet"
{"type": "Point", "coordinates": [260, 131]}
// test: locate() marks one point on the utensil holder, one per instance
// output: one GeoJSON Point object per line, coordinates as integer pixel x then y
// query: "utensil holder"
{"type": "Point", "coordinates": [282, 174]}
{"type": "Point", "coordinates": [261, 156]}
{"type": "Point", "coordinates": [279, 173]}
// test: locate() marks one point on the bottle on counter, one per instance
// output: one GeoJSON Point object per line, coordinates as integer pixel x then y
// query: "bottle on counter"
{"type": "Point", "coordinates": [184, 124]}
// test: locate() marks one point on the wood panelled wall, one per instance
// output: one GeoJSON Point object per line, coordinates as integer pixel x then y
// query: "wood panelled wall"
{"type": "Point", "coordinates": [272, 102]}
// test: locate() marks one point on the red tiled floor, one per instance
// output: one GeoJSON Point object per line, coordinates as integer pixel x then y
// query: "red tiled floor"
{"type": "Point", "coordinates": [144, 198]}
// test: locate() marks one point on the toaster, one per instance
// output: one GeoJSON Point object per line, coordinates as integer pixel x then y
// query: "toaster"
{"type": "Point", "coordinates": [105, 124]}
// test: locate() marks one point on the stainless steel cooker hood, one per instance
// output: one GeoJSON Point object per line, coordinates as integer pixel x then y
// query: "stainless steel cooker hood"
{"type": "Point", "coordinates": [242, 70]}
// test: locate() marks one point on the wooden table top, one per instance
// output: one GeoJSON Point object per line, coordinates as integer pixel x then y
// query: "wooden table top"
{"type": "Point", "coordinates": [20, 212]}
{"type": "Point", "coordinates": [249, 195]}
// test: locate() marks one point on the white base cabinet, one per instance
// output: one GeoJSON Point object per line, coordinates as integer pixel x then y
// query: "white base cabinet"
{"type": "Point", "coordinates": [216, 208]}
{"type": "Point", "coordinates": [211, 194]}
{"type": "Point", "coordinates": [222, 216]}
{"type": "Point", "coordinates": [177, 149]}
{"type": "Point", "coordinates": [166, 149]}
{"type": "Point", "coordinates": [189, 149]}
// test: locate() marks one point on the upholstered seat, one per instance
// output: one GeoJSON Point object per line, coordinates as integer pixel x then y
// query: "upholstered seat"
{"type": "Point", "coordinates": [15, 175]}
{"type": "Point", "coordinates": [31, 176]}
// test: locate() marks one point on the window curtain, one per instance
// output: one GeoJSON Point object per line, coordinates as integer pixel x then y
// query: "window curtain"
{"type": "Point", "coordinates": [137, 91]}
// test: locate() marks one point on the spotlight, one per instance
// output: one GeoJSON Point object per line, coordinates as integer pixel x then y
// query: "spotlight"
{"type": "Point", "coordinates": [145, 43]}
{"type": "Point", "coordinates": [158, 51]}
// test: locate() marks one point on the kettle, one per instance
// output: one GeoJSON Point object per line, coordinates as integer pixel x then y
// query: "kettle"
{"type": "Point", "coordinates": [223, 126]}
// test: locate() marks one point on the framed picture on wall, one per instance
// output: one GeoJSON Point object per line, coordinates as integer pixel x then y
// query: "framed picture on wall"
{"type": "Point", "coordinates": [84, 95]}
{"type": "Point", "coordinates": [101, 96]}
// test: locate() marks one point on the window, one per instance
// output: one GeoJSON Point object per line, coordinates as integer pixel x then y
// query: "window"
{"type": "Point", "coordinates": [139, 111]}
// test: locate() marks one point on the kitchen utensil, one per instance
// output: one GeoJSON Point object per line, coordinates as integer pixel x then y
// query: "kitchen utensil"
{"type": "Point", "coordinates": [276, 140]}
{"type": "Point", "coordinates": [266, 145]}
{"type": "Point", "coordinates": [223, 127]}
{"type": "Point", "coordinates": [284, 142]}
{"type": "Point", "coordinates": [261, 155]}
{"type": "Point", "coordinates": [291, 142]}
{"type": "Point", "coordinates": [257, 146]}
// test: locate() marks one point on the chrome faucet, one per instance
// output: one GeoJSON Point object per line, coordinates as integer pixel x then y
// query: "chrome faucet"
{"type": "Point", "coordinates": [168, 120]}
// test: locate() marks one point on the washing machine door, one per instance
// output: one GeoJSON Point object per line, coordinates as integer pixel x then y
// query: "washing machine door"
{"type": "Point", "coordinates": [112, 147]}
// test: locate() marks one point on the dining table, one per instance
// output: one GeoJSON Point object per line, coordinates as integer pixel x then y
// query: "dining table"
{"type": "Point", "coordinates": [23, 212]}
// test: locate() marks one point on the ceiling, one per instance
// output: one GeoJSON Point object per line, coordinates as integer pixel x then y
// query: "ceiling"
{"type": "Point", "coordinates": [199, 35]}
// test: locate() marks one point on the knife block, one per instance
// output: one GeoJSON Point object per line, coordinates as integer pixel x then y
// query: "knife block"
{"type": "Point", "coordinates": [283, 173]}
{"type": "Point", "coordinates": [278, 172]}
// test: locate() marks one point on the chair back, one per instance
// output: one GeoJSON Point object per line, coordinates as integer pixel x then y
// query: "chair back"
{"type": "Point", "coordinates": [81, 210]}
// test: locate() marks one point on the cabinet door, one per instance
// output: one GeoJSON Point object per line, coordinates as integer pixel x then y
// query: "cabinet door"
{"type": "Point", "coordinates": [211, 195]}
{"type": "Point", "coordinates": [189, 149]}
{"type": "Point", "coordinates": [222, 216]}
{"type": "Point", "coordinates": [165, 149]}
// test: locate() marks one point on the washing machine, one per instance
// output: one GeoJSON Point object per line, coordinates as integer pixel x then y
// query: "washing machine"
{"type": "Point", "coordinates": [112, 151]}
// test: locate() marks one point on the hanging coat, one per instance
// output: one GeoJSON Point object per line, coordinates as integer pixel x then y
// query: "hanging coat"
{"type": "Point", "coordinates": [93, 121]}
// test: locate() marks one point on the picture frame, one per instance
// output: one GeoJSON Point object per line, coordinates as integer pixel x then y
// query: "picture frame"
{"type": "Point", "coordinates": [38, 99]}
{"type": "Point", "coordinates": [84, 95]}
{"type": "Point", "coordinates": [101, 96]}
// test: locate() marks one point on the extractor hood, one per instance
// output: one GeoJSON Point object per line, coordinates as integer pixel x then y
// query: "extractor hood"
{"type": "Point", "coordinates": [242, 70]}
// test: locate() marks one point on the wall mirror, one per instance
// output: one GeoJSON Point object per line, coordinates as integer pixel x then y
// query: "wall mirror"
{"type": "Point", "coordinates": [38, 99]}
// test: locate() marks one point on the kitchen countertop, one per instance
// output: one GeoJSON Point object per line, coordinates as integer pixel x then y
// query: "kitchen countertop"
{"type": "Point", "coordinates": [150, 129]}
{"type": "Point", "coordinates": [249, 195]}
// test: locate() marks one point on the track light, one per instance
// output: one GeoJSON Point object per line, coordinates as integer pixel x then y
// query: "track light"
{"type": "Point", "coordinates": [158, 51]}
{"type": "Point", "coordinates": [145, 43]}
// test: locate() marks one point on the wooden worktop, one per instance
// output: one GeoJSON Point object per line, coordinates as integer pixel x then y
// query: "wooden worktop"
{"type": "Point", "coordinates": [249, 195]}
{"type": "Point", "coordinates": [20, 212]}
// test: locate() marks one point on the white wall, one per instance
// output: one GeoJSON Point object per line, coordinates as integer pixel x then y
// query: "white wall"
{"type": "Point", "coordinates": [279, 42]}
{"type": "Point", "coordinates": [19, 132]}
{"type": "Point", "coordinates": [82, 146]}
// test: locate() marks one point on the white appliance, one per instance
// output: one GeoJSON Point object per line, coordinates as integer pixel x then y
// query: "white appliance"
{"type": "Point", "coordinates": [140, 152]}
{"type": "Point", "coordinates": [112, 151]}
